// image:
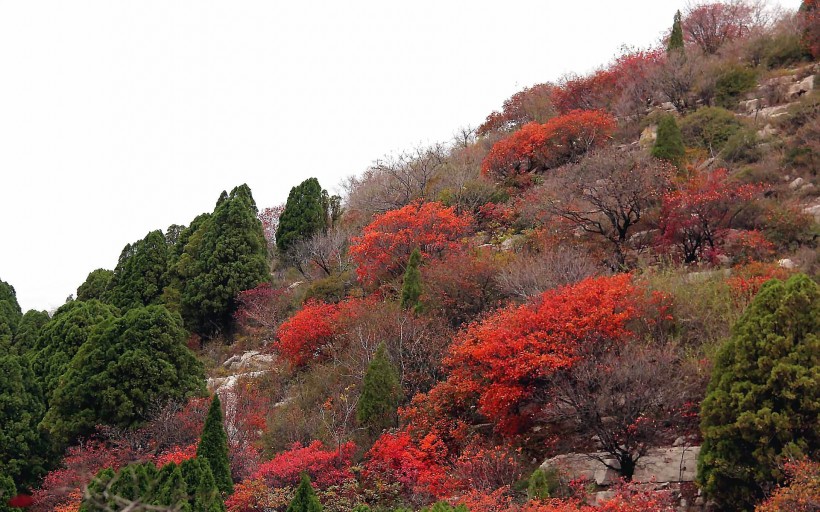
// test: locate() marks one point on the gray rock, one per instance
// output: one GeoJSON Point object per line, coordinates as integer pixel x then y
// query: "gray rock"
{"type": "Point", "coordinates": [814, 211]}
{"type": "Point", "coordinates": [787, 264]}
{"type": "Point", "coordinates": [773, 112]}
{"type": "Point", "coordinates": [794, 185]}
{"type": "Point", "coordinates": [800, 88]}
{"type": "Point", "coordinates": [766, 131]}
{"type": "Point", "coordinates": [649, 135]}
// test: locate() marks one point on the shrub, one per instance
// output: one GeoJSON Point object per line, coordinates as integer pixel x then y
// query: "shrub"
{"type": "Point", "coordinates": [732, 83]}
{"type": "Point", "coordinates": [709, 128]}
{"type": "Point", "coordinates": [742, 147]}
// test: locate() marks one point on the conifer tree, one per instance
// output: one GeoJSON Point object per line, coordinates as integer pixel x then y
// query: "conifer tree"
{"type": "Point", "coordinates": [126, 367]}
{"type": "Point", "coordinates": [213, 446]}
{"type": "Point", "coordinates": [140, 275]}
{"type": "Point", "coordinates": [304, 215]}
{"type": "Point", "coordinates": [381, 393]}
{"type": "Point", "coordinates": [669, 143]}
{"type": "Point", "coordinates": [95, 285]}
{"type": "Point", "coordinates": [173, 491]}
{"type": "Point", "coordinates": [305, 499]}
{"type": "Point", "coordinates": [7, 492]}
{"type": "Point", "coordinates": [21, 410]}
{"type": "Point", "coordinates": [226, 254]}
{"type": "Point", "coordinates": [28, 330]}
{"type": "Point", "coordinates": [10, 314]}
{"type": "Point", "coordinates": [411, 288]}
{"type": "Point", "coordinates": [763, 401]}
{"type": "Point", "coordinates": [676, 37]}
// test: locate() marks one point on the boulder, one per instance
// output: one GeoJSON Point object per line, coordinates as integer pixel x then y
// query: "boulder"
{"type": "Point", "coordinates": [648, 136]}
{"type": "Point", "coordinates": [797, 183]}
{"type": "Point", "coordinates": [800, 88]}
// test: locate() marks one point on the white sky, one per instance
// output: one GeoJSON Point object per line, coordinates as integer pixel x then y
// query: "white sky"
{"type": "Point", "coordinates": [121, 117]}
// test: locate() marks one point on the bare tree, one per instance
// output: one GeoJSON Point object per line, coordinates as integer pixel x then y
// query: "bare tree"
{"type": "Point", "coordinates": [608, 193]}
{"type": "Point", "coordinates": [324, 251]}
{"type": "Point", "coordinates": [528, 275]}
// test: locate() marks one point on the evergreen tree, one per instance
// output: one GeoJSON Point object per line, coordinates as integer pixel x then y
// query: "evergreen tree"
{"type": "Point", "coordinates": [305, 499]}
{"type": "Point", "coordinates": [304, 215]}
{"type": "Point", "coordinates": [411, 288]}
{"type": "Point", "coordinates": [62, 337]}
{"type": "Point", "coordinates": [669, 143]}
{"type": "Point", "coordinates": [21, 409]}
{"type": "Point", "coordinates": [141, 273]}
{"type": "Point", "coordinates": [95, 285]}
{"type": "Point", "coordinates": [226, 254]}
{"type": "Point", "coordinates": [126, 367]}
{"type": "Point", "coordinates": [676, 37]}
{"type": "Point", "coordinates": [213, 446]}
{"type": "Point", "coordinates": [763, 402]}
{"type": "Point", "coordinates": [7, 492]}
{"type": "Point", "coordinates": [204, 494]}
{"type": "Point", "coordinates": [381, 393]}
{"type": "Point", "coordinates": [173, 491]}
{"type": "Point", "coordinates": [28, 330]}
{"type": "Point", "coordinates": [10, 314]}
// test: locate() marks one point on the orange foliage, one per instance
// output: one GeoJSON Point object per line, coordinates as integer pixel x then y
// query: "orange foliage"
{"type": "Point", "coordinates": [538, 147]}
{"type": "Point", "coordinates": [325, 466]}
{"type": "Point", "coordinates": [177, 455]}
{"type": "Point", "coordinates": [746, 280]}
{"type": "Point", "coordinates": [530, 104]}
{"type": "Point", "coordinates": [802, 493]}
{"type": "Point", "coordinates": [382, 251]}
{"type": "Point", "coordinates": [506, 357]}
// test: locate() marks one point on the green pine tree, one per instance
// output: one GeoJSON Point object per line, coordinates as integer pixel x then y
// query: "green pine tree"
{"type": "Point", "coordinates": [669, 143]}
{"type": "Point", "coordinates": [676, 37]}
{"type": "Point", "coordinates": [21, 410]}
{"type": "Point", "coordinates": [305, 214]}
{"type": "Point", "coordinates": [28, 330]}
{"type": "Point", "coordinates": [225, 254]}
{"type": "Point", "coordinates": [127, 366]}
{"type": "Point", "coordinates": [305, 499]}
{"type": "Point", "coordinates": [141, 273]}
{"type": "Point", "coordinates": [10, 314]}
{"type": "Point", "coordinates": [173, 491]}
{"type": "Point", "coordinates": [7, 491]}
{"type": "Point", "coordinates": [381, 393]}
{"type": "Point", "coordinates": [411, 287]}
{"type": "Point", "coordinates": [213, 446]}
{"type": "Point", "coordinates": [763, 401]}
{"type": "Point", "coordinates": [95, 285]}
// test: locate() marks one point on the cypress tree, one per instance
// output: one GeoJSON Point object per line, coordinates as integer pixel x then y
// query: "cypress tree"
{"type": "Point", "coordinates": [95, 285]}
{"type": "Point", "coordinates": [173, 491]}
{"type": "Point", "coordinates": [126, 366]}
{"type": "Point", "coordinates": [381, 393]}
{"type": "Point", "coordinates": [226, 254]}
{"type": "Point", "coordinates": [411, 287]}
{"type": "Point", "coordinates": [676, 37]}
{"type": "Point", "coordinates": [141, 273]}
{"type": "Point", "coordinates": [763, 400]}
{"type": "Point", "coordinates": [213, 446]}
{"type": "Point", "coordinates": [10, 314]}
{"type": "Point", "coordinates": [28, 330]}
{"type": "Point", "coordinates": [669, 143]}
{"type": "Point", "coordinates": [21, 410]}
{"type": "Point", "coordinates": [7, 492]}
{"type": "Point", "coordinates": [305, 499]}
{"type": "Point", "coordinates": [305, 214]}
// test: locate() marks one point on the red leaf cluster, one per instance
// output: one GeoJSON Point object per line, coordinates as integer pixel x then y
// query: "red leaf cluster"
{"type": "Point", "coordinates": [506, 357]}
{"type": "Point", "coordinates": [325, 466]}
{"type": "Point", "coordinates": [382, 251]}
{"type": "Point", "coordinates": [802, 494]}
{"type": "Point", "coordinates": [538, 147]}
{"type": "Point", "coordinates": [532, 104]}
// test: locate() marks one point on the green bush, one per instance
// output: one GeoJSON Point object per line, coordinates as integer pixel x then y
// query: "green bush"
{"type": "Point", "coordinates": [542, 484]}
{"type": "Point", "coordinates": [742, 147]}
{"type": "Point", "coordinates": [732, 83]}
{"type": "Point", "coordinates": [669, 143]}
{"type": "Point", "coordinates": [709, 128]}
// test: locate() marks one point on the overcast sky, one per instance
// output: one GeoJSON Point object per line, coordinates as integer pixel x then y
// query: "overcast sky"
{"type": "Point", "coordinates": [121, 117]}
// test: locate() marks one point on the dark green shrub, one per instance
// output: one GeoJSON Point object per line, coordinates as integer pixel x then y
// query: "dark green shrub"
{"type": "Point", "coordinates": [732, 83]}
{"type": "Point", "coordinates": [669, 143]}
{"type": "Point", "coordinates": [709, 128]}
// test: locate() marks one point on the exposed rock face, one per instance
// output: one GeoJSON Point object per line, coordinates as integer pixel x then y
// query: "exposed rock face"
{"type": "Point", "coordinates": [252, 360]}
{"type": "Point", "coordinates": [800, 88]}
{"type": "Point", "coordinates": [662, 465]}
{"type": "Point", "coordinates": [648, 136]}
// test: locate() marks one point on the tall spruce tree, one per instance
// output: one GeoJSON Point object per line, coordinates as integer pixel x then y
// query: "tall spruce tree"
{"type": "Point", "coordinates": [763, 401]}
{"type": "Point", "coordinates": [226, 254]}
{"type": "Point", "coordinates": [21, 410]}
{"type": "Point", "coordinates": [141, 273]}
{"type": "Point", "coordinates": [381, 393]}
{"type": "Point", "coordinates": [305, 214]}
{"type": "Point", "coordinates": [669, 143]}
{"type": "Point", "coordinates": [126, 367]}
{"type": "Point", "coordinates": [305, 499]}
{"type": "Point", "coordinates": [213, 446]}
{"type": "Point", "coordinates": [676, 36]}
{"type": "Point", "coordinates": [411, 287]}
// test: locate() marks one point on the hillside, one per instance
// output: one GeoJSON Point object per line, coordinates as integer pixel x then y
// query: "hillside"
{"type": "Point", "coordinates": [605, 297]}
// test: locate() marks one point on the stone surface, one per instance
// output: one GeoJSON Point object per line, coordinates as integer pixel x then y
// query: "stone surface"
{"type": "Point", "coordinates": [773, 112]}
{"type": "Point", "coordinates": [787, 264]}
{"type": "Point", "coordinates": [814, 211]}
{"type": "Point", "coordinates": [251, 360]}
{"type": "Point", "coordinates": [766, 131]}
{"type": "Point", "coordinates": [649, 135]}
{"type": "Point", "coordinates": [800, 88]}
{"type": "Point", "coordinates": [796, 183]}
{"type": "Point", "coordinates": [659, 466]}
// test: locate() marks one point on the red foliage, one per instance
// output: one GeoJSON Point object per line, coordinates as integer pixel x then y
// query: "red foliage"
{"type": "Point", "coordinates": [622, 83]}
{"type": "Point", "coordinates": [311, 332]}
{"type": "Point", "coordinates": [488, 468]}
{"type": "Point", "coordinates": [382, 251]}
{"type": "Point", "coordinates": [177, 455]}
{"type": "Point", "coordinates": [802, 494]}
{"type": "Point", "coordinates": [325, 466]}
{"type": "Point", "coordinates": [538, 147]}
{"type": "Point", "coordinates": [21, 501]}
{"type": "Point", "coordinates": [245, 409]}
{"type": "Point", "coordinates": [78, 467]}
{"type": "Point", "coordinates": [810, 20]}
{"type": "Point", "coordinates": [532, 104]}
{"type": "Point", "coordinates": [419, 466]}
{"type": "Point", "coordinates": [504, 358]}
{"type": "Point", "coordinates": [711, 25]}
{"type": "Point", "coordinates": [695, 218]}
{"type": "Point", "coordinates": [745, 246]}
{"type": "Point", "coordinates": [746, 280]}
